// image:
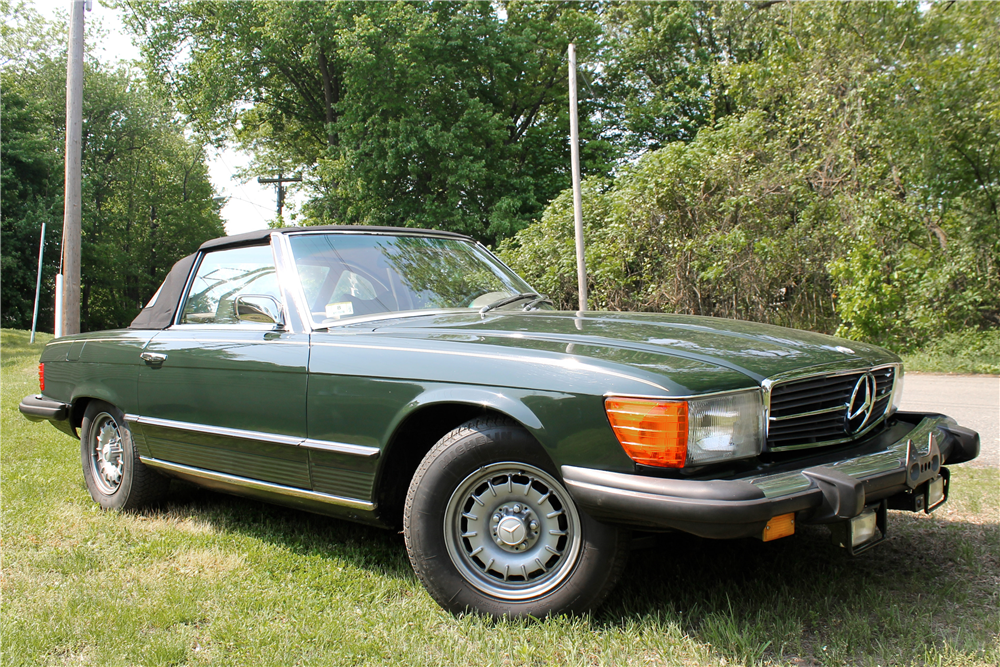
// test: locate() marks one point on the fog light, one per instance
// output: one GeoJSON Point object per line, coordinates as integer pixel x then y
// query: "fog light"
{"type": "Point", "coordinates": [935, 493]}
{"type": "Point", "coordinates": [864, 527]}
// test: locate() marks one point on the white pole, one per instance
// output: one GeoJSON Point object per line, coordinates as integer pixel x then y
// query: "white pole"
{"type": "Point", "coordinates": [574, 132]}
{"type": "Point", "coordinates": [74, 132]}
{"type": "Point", "coordinates": [38, 284]}
{"type": "Point", "coordinates": [58, 332]}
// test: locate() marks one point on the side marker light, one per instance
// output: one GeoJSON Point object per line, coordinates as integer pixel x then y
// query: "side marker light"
{"type": "Point", "coordinates": [779, 526]}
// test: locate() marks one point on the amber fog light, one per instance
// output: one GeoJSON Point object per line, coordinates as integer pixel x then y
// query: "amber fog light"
{"type": "Point", "coordinates": [652, 432]}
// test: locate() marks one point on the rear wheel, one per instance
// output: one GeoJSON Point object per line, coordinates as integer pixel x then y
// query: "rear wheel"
{"type": "Point", "coordinates": [489, 527]}
{"type": "Point", "coordinates": [115, 477]}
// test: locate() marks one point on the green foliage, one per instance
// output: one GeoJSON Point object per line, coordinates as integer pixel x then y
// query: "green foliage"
{"type": "Point", "coordinates": [147, 200]}
{"type": "Point", "coordinates": [441, 115]}
{"type": "Point", "coordinates": [968, 351]}
{"type": "Point", "coordinates": [824, 165]}
{"type": "Point", "coordinates": [31, 179]}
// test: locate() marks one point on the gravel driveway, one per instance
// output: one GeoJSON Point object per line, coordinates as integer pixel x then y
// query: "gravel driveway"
{"type": "Point", "coordinates": [973, 400]}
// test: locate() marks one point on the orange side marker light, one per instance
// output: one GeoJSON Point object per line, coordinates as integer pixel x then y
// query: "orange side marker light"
{"type": "Point", "coordinates": [779, 526]}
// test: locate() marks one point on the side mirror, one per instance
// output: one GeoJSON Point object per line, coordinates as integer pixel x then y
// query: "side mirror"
{"type": "Point", "coordinates": [259, 309]}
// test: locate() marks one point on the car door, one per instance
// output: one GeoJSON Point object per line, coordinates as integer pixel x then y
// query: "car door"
{"type": "Point", "coordinates": [222, 394]}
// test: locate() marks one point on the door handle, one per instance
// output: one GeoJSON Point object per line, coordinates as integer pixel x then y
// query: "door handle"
{"type": "Point", "coordinates": [153, 358]}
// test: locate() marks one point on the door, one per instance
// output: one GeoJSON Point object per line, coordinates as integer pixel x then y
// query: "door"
{"type": "Point", "coordinates": [225, 395]}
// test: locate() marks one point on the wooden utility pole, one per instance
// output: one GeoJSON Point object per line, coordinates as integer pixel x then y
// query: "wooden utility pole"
{"type": "Point", "coordinates": [280, 180]}
{"type": "Point", "coordinates": [70, 315]}
{"type": "Point", "coordinates": [574, 133]}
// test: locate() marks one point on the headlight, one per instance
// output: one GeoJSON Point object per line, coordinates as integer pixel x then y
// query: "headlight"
{"type": "Point", "coordinates": [672, 434]}
{"type": "Point", "coordinates": [728, 426]}
{"type": "Point", "coordinates": [897, 392]}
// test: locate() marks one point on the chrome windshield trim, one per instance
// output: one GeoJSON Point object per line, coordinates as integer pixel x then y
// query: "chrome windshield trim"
{"type": "Point", "coordinates": [258, 485]}
{"type": "Point", "coordinates": [341, 448]}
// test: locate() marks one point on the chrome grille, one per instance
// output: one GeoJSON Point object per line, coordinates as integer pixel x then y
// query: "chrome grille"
{"type": "Point", "coordinates": [812, 411]}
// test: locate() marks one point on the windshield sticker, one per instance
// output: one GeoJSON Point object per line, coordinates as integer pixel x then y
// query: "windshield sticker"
{"type": "Point", "coordinates": [340, 309]}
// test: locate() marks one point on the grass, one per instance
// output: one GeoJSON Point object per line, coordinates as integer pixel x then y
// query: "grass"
{"type": "Point", "coordinates": [969, 351]}
{"type": "Point", "coordinates": [208, 579]}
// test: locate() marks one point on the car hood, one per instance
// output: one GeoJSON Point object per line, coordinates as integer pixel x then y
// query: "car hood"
{"type": "Point", "coordinates": [755, 350]}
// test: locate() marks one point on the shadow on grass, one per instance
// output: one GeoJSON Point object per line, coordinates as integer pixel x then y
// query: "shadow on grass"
{"type": "Point", "coordinates": [932, 587]}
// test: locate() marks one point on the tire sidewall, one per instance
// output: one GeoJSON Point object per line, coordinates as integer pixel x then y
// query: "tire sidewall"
{"type": "Point", "coordinates": [119, 499]}
{"type": "Point", "coordinates": [448, 465]}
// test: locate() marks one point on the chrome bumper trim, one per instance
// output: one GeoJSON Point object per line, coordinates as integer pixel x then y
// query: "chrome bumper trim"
{"type": "Point", "coordinates": [893, 459]}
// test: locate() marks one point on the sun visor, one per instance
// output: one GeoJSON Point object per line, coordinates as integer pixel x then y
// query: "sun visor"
{"type": "Point", "coordinates": [159, 312]}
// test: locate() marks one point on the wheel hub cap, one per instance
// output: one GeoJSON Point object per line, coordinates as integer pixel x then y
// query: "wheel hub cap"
{"type": "Point", "coordinates": [512, 530]}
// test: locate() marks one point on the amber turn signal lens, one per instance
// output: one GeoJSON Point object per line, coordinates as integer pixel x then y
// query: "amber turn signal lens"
{"type": "Point", "coordinates": [41, 377]}
{"type": "Point", "coordinates": [652, 432]}
{"type": "Point", "coordinates": [779, 526]}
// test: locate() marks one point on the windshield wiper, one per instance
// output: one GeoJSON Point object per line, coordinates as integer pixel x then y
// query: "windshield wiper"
{"type": "Point", "coordinates": [537, 298]}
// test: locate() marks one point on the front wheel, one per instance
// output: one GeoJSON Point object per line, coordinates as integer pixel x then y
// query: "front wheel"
{"type": "Point", "coordinates": [490, 528]}
{"type": "Point", "coordinates": [115, 477]}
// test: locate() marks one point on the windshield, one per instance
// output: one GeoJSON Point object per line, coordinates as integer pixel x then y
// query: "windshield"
{"type": "Point", "coordinates": [350, 275]}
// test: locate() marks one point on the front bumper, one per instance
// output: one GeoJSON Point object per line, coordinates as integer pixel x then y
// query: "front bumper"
{"type": "Point", "coordinates": [729, 508]}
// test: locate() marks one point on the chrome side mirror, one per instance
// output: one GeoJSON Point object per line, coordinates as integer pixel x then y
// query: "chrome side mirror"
{"type": "Point", "coordinates": [259, 309]}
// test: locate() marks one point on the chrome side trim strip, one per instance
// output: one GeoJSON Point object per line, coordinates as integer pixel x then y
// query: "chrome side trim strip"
{"type": "Point", "coordinates": [291, 441]}
{"type": "Point", "coordinates": [217, 430]}
{"type": "Point", "coordinates": [341, 448]}
{"type": "Point", "coordinates": [258, 485]}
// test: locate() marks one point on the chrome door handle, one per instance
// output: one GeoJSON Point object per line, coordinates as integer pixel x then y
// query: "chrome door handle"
{"type": "Point", "coordinates": [153, 358]}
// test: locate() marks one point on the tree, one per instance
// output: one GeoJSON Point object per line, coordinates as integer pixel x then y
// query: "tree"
{"type": "Point", "coordinates": [445, 115]}
{"type": "Point", "coordinates": [147, 200]}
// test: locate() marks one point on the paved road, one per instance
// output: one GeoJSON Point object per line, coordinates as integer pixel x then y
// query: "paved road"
{"type": "Point", "coordinates": [973, 400]}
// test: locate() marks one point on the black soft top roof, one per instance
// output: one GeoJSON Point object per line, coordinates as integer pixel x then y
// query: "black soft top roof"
{"type": "Point", "coordinates": [159, 314]}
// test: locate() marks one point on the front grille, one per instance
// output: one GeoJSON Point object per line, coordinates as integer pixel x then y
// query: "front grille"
{"type": "Point", "coordinates": [813, 411]}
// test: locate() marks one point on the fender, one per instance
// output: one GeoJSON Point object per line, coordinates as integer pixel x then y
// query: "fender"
{"type": "Point", "coordinates": [500, 400]}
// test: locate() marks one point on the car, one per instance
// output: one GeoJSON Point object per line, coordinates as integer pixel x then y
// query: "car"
{"type": "Point", "coordinates": [409, 378]}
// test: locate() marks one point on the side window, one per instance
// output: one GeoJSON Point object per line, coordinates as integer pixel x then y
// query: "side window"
{"type": "Point", "coordinates": [224, 275]}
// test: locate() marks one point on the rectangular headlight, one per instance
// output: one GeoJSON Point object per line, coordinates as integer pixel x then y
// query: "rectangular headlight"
{"type": "Point", "coordinates": [724, 427]}
{"type": "Point", "coordinates": [675, 433]}
{"type": "Point", "coordinates": [897, 392]}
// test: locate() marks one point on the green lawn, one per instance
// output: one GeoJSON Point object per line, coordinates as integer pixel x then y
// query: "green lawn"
{"type": "Point", "coordinates": [211, 579]}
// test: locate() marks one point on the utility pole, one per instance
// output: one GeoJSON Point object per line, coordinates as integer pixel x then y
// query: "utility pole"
{"type": "Point", "coordinates": [280, 180]}
{"type": "Point", "coordinates": [574, 133]}
{"type": "Point", "coordinates": [70, 315]}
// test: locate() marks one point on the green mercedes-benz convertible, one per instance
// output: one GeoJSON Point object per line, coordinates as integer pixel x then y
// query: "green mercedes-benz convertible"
{"type": "Point", "coordinates": [408, 378]}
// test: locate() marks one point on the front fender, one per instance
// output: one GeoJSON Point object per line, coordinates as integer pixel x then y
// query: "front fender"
{"type": "Point", "coordinates": [570, 427]}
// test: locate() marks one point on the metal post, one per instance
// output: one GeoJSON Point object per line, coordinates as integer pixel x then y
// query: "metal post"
{"type": "Point", "coordinates": [574, 132]}
{"type": "Point", "coordinates": [38, 284]}
{"type": "Point", "coordinates": [71, 210]}
{"type": "Point", "coordinates": [58, 329]}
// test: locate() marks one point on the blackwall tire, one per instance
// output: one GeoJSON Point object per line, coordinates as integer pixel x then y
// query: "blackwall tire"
{"type": "Point", "coordinates": [115, 477]}
{"type": "Point", "coordinates": [490, 528]}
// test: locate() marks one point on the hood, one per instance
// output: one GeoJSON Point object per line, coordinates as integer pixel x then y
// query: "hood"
{"type": "Point", "coordinates": [755, 350]}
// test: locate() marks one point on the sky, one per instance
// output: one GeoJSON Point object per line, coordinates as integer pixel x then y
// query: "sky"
{"type": "Point", "coordinates": [249, 205]}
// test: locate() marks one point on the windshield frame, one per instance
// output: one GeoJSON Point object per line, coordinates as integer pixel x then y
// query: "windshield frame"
{"type": "Point", "coordinates": [287, 258]}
